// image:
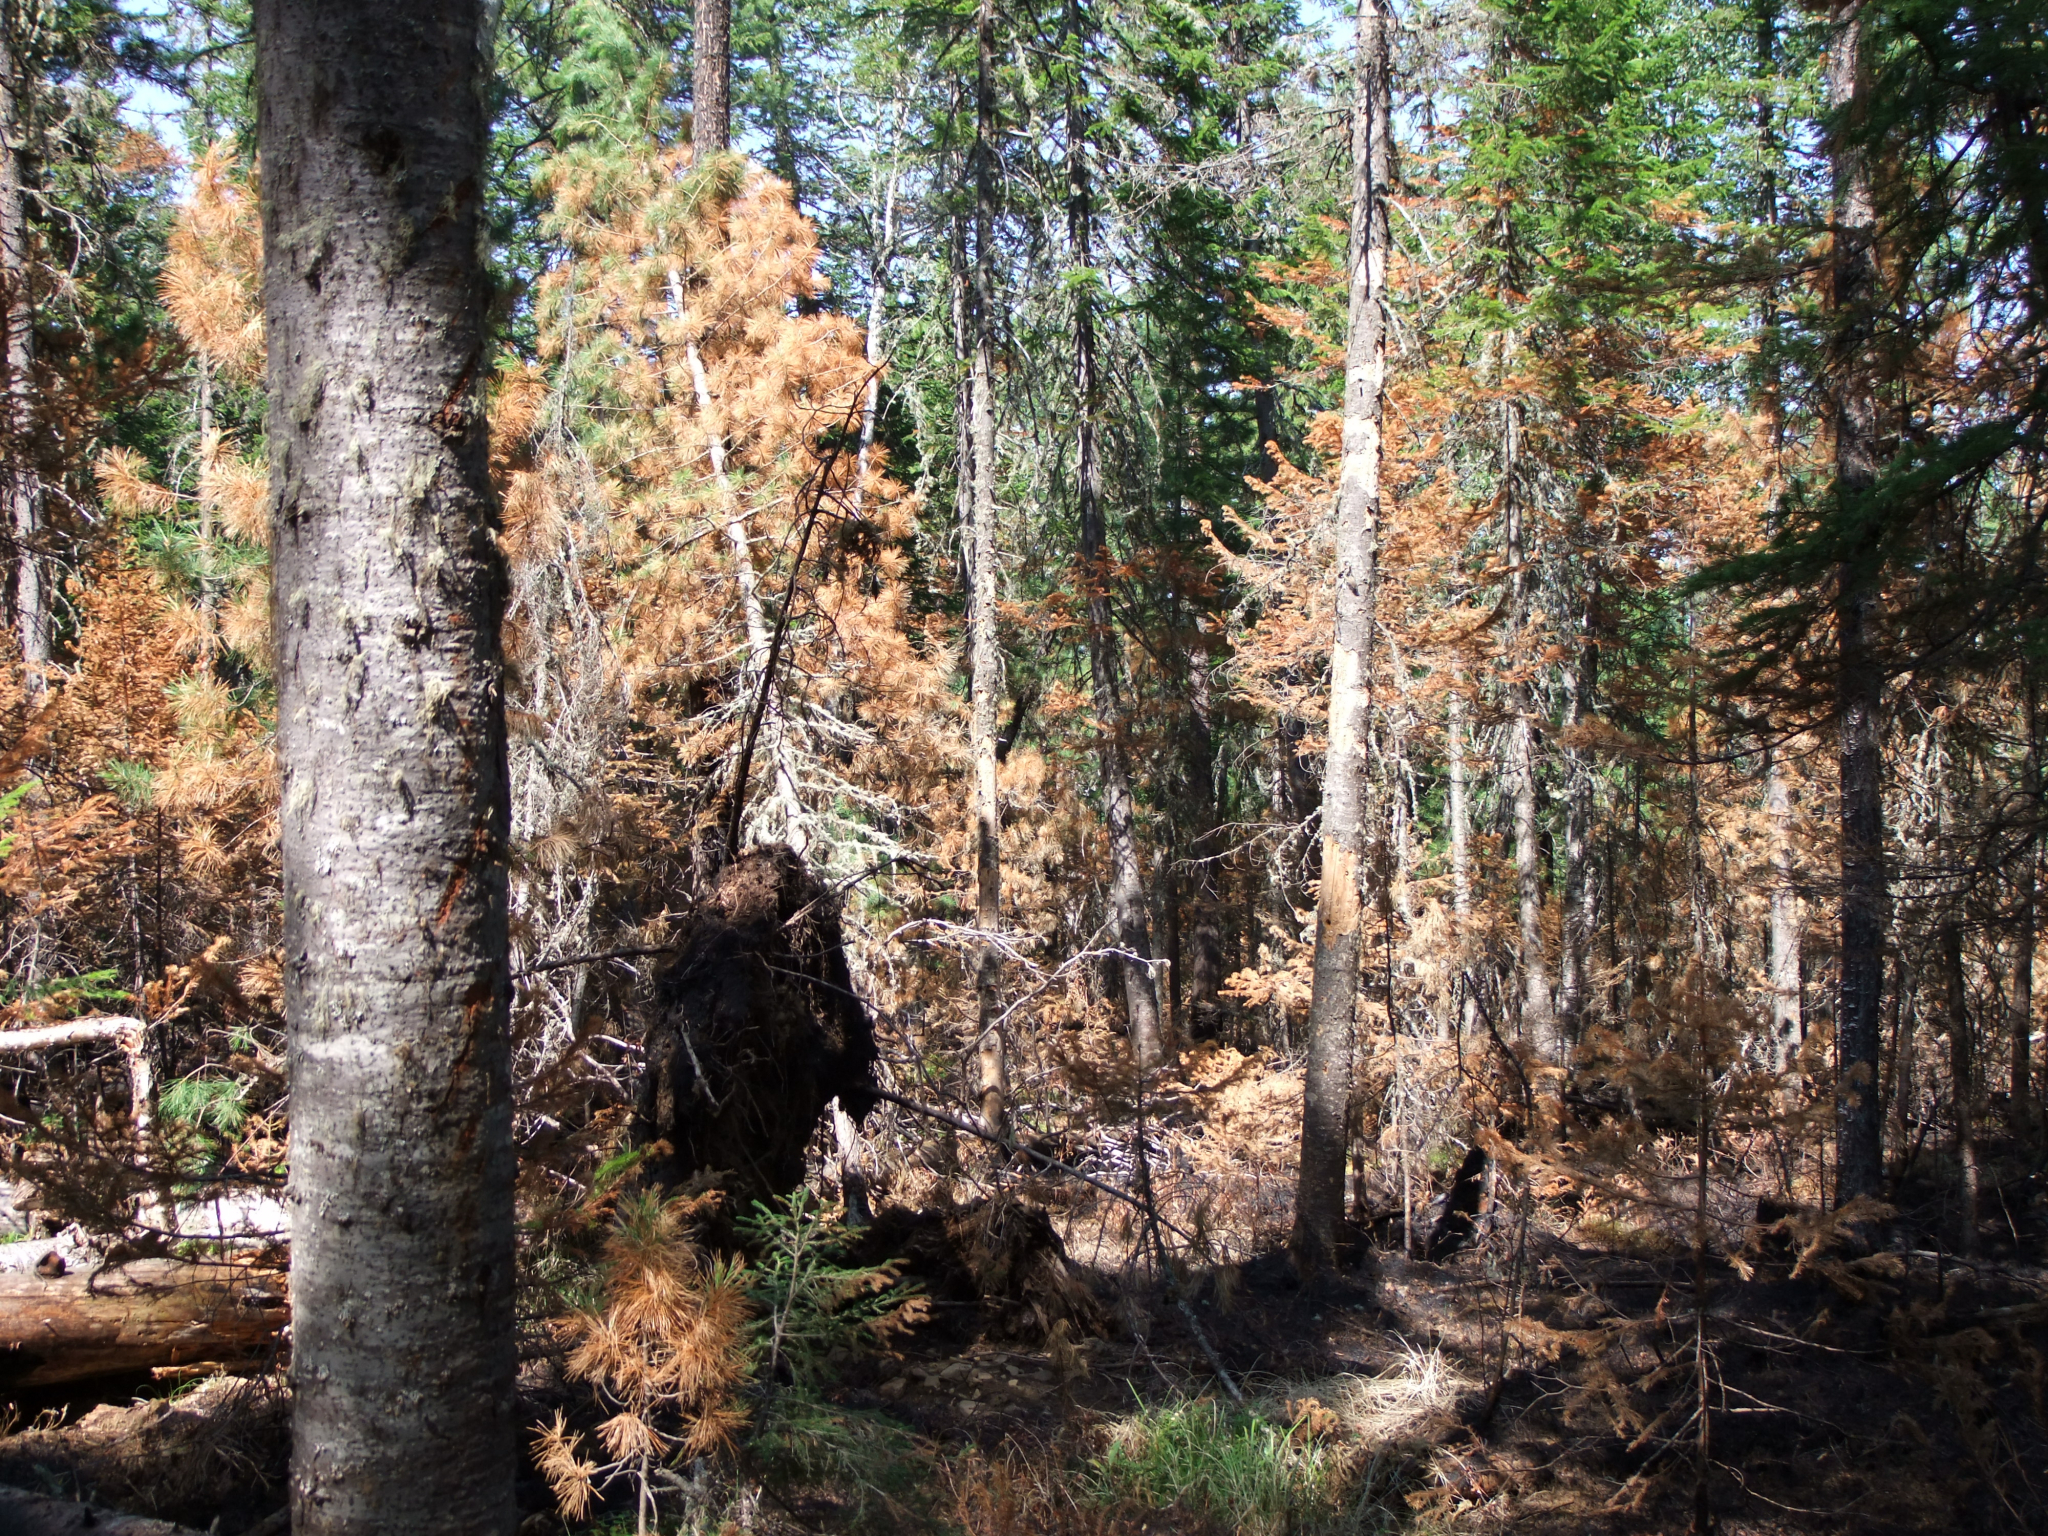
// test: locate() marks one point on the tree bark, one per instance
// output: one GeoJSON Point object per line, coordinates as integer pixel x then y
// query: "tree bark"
{"type": "Point", "coordinates": [991, 1056]}
{"type": "Point", "coordinates": [390, 589]}
{"type": "Point", "coordinates": [1581, 892]}
{"type": "Point", "coordinates": [1859, 678]}
{"type": "Point", "coordinates": [711, 77]}
{"type": "Point", "coordinates": [1787, 1028]}
{"type": "Point", "coordinates": [87, 1324]}
{"type": "Point", "coordinates": [1539, 1012]}
{"type": "Point", "coordinates": [2022, 1005]}
{"type": "Point", "coordinates": [1127, 914]}
{"type": "Point", "coordinates": [1326, 1095]}
{"type": "Point", "coordinates": [1962, 1064]}
{"type": "Point", "coordinates": [24, 485]}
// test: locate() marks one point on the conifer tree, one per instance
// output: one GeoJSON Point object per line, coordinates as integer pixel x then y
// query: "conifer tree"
{"type": "Point", "coordinates": [1340, 902]}
{"type": "Point", "coordinates": [390, 589]}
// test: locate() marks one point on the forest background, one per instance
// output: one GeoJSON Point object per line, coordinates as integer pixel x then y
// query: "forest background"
{"type": "Point", "coordinates": [944, 488]}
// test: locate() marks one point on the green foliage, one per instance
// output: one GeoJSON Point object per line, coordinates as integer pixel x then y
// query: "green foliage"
{"type": "Point", "coordinates": [879, 1469]}
{"type": "Point", "coordinates": [66, 991]}
{"type": "Point", "coordinates": [1240, 1470]}
{"type": "Point", "coordinates": [813, 1301]}
{"type": "Point", "coordinates": [133, 784]}
{"type": "Point", "coordinates": [10, 802]}
{"type": "Point", "coordinates": [215, 1104]}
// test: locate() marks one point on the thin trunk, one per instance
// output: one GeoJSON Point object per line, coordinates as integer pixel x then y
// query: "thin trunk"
{"type": "Point", "coordinates": [1461, 815]}
{"type": "Point", "coordinates": [753, 676]}
{"type": "Point", "coordinates": [2022, 1006]}
{"type": "Point", "coordinates": [1859, 678]}
{"type": "Point", "coordinates": [2022, 1002]}
{"type": "Point", "coordinates": [1461, 856]}
{"type": "Point", "coordinates": [878, 294]}
{"type": "Point", "coordinates": [1581, 892]}
{"type": "Point", "coordinates": [1539, 1016]}
{"type": "Point", "coordinates": [711, 77]}
{"type": "Point", "coordinates": [1127, 914]}
{"type": "Point", "coordinates": [1326, 1096]}
{"type": "Point", "coordinates": [1787, 1028]}
{"type": "Point", "coordinates": [1962, 1064]}
{"type": "Point", "coordinates": [991, 1057]}
{"type": "Point", "coordinates": [1205, 958]}
{"type": "Point", "coordinates": [391, 737]}
{"type": "Point", "coordinates": [24, 485]}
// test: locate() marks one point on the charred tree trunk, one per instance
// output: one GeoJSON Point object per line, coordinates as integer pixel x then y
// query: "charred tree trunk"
{"type": "Point", "coordinates": [1859, 680]}
{"type": "Point", "coordinates": [991, 1056]}
{"type": "Point", "coordinates": [1326, 1096]}
{"type": "Point", "coordinates": [1127, 913]}
{"type": "Point", "coordinates": [711, 77]}
{"type": "Point", "coordinates": [391, 734]}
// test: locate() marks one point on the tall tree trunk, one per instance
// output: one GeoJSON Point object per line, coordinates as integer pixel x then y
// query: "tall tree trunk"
{"type": "Point", "coordinates": [1460, 812]}
{"type": "Point", "coordinates": [1581, 892]}
{"type": "Point", "coordinates": [1539, 1014]}
{"type": "Point", "coordinates": [1205, 953]}
{"type": "Point", "coordinates": [878, 296]}
{"type": "Point", "coordinates": [1787, 1028]}
{"type": "Point", "coordinates": [1962, 1063]}
{"type": "Point", "coordinates": [1319, 1195]}
{"type": "Point", "coordinates": [24, 484]}
{"type": "Point", "coordinates": [711, 77]}
{"type": "Point", "coordinates": [391, 735]}
{"type": "Point", "coordinates": [1859, 679]}
{"type": "Point", "coordinates": [1127, 914]}
{"type": "Point", "coordinates": [990, 1053]}
{"type": "Point", "coordinates": [2022, 1006]}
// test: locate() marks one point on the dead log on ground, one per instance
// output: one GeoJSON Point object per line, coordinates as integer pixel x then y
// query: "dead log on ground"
{"type": "Point", "coordinates": [139, 1316]}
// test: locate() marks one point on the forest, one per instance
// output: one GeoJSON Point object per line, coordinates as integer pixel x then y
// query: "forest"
{"type": "Point", "coordinates": [1023, 766]}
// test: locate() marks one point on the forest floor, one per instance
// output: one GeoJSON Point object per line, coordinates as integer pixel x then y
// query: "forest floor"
{"type": "Point", "coordinates": [1555, 1376]}
{"type": "Point", "coordinates": [1895, 1392]}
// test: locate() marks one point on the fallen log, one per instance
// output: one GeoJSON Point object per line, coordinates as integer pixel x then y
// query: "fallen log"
{"type": "Point", "coordinates": [30, 1514]}
{"type": "Point", "coordinates": [136, 1317]}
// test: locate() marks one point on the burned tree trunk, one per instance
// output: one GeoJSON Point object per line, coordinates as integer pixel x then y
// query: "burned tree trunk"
{"type": "Point", "coordinates": [757, 1028]}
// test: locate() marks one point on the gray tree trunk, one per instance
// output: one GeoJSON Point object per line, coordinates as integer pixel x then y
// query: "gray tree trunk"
{"type": "Point", "coordinates": [1962, 1064]}
{"type": "Point", "coordinates": [391, 735]}
{"type": "Point", "coordinates": [1539, 1011]}
{"type": "Point", "coordinates": [1581, 891]}
{"type": "Point", "coordinates": [1786, 1025]}
{"type": "Point", "coordinates": [1859, 679]}
{"type": "Point", "coordinates": [991, 1056]}
{"type": "Point", "coordinates": [1326, 1094]}
{"type": "Point", "coordinates": [2022, 1006]}
{"type": "Point", "coordinates": [711, 78]}
{"type": "Point", "coordinates": [24, 485]}
{"type": "Point", "coordinates": [1127, 914]}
